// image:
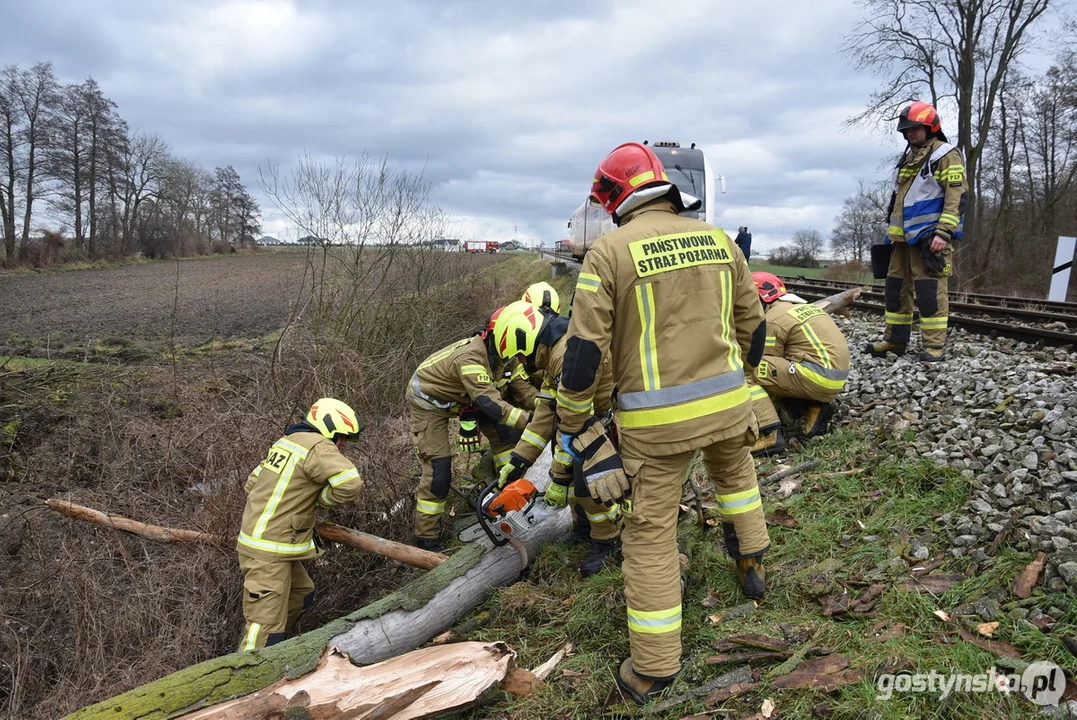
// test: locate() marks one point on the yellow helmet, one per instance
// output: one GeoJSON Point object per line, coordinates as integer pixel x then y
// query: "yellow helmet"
{"type": "Point", "coordinates": [334, 419]}
{"type": "Point", "coordinates": [516, 328]}
{"type": "Point", "coordinates": [542, 294]}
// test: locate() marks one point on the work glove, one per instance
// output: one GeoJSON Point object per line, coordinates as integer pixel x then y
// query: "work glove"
{"type": "Point", "coordinates": [556, 495]}
{"type": "Point", "coordinates": [602, 468]}
{"type": "Point", "coordinates": [934, 263]}
{"type": "Point", "coordinates": [469, 430]}
{"type": "Point", "coordinates": [513, 470]}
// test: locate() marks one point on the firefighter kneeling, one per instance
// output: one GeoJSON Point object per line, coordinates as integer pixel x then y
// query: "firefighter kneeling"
{"type": "Point", "coordinates": [804, 366]}
{"type": "Point", "coordinates": [303, 470]}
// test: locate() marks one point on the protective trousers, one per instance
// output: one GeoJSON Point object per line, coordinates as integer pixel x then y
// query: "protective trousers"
{"type": "Point", "coordinates": [649, 540]}
{"type": "Point", "coordinates": [776, 377]}
{"type": "Point", "coordinates": [906, 274]}
{"type": "Point", "coordinates": [430, 436]}
{"type": "Point", "coordinates": [275, 594]}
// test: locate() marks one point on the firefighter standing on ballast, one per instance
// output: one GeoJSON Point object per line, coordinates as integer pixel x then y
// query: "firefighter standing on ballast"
{"type": "Point", "coordinates": [930, 194]}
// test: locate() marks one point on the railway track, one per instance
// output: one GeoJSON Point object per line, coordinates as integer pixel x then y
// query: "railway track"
{"type": "Point", "coordinates": [1026, 319]}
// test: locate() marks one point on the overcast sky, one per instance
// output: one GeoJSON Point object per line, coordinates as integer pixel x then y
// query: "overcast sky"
{"type": "Point", "coordinates": [509, 105]}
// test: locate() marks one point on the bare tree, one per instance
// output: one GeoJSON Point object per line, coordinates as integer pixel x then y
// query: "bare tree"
{"type": "Point", "coordinates": [944, 49]}
{"type": "Point", "coordinates": [861, 222]}
{"type": "Point", "coordinates": [35, 93]}
{"type": "Point", "coordinates": [808, 243]}
{"type": "Point", "coordinates": [144, 162]}
{"type": "Point", "coordinates": [10, 141]}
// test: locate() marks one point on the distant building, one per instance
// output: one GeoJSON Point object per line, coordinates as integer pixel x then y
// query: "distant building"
{"type": "Point", "coordinates": [511, 245]}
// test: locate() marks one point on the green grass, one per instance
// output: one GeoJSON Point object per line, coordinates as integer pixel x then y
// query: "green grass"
{"type": "Point", "coordinates": [785, 271]}
{"type": "Point", "coordinates": [824, 554]}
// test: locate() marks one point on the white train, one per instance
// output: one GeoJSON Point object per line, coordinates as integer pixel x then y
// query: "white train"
{"type": "Point", "coordinates": [688, 168]}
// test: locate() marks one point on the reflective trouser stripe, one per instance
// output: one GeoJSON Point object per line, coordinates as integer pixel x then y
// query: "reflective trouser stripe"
{"type": "Point", "coordinates": [514, 417]}
{"type": "Point", "coordinates": [740, 502]}
{"type": "Point", "coordinates": [612, 514]}
{"type": "Point", "coordinates": [757, 393]}
{"type": "Point", "coordinates": [580, 406]}
{"type": "Point", "coordinates": [560, 456]}
{"type": "Point", "coordinates": [895, 318]}
{"type": "Point", "coordinates": [939, 322]}
{"type": "Point", "coordinates": [428, 507]}
{"type": "Point", "coordinates": [770, 341]}
{"type": "Point", "coordinates": [250, 642]}
{"type": "Point", "coordinates": [655, 622]}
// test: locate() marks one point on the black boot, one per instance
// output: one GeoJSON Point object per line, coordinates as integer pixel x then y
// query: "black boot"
{"type": "Point", "coordinates": [752, 578]}
{"type": "Point", "coordinates": [640, 688]}
{"type": "Point", "coordinates": [596, 557]}
{"type": "Point", "coordinates": [817, 419]}
{"type": "Point", "coordinates": [431, 544]}
{"type": "Point", "coordinates": [770, 443]}
{"type": "Point", "coordinates": [581, 529]}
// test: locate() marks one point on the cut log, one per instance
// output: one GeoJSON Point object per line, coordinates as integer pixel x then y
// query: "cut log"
{"type": "Point", "coordinates": [398, 623]}
{"type": "Point", "coordinates": [839, 302]}
{"type": "Point", "coordinates": [420, 684]}
{"type": "Point", "coordinates": [334, 533]}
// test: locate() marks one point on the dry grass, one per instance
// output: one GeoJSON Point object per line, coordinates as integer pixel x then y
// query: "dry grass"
{"type": "Point", "coordinates": [87, 612]}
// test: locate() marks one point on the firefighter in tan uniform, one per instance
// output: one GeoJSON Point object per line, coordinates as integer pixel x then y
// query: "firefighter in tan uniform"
{"type": "Point", "coordinates": [466, 372]}
{"type": "Point", "coordinates": [303, 470]}
{"type": "Point", "coordinates": [671, 300]}
{"type": "Point", "coordinates": [805, 364]}
{"type": "Point", "coordinates": [926, 208]}
{"type": "Point", "coordinates": [604, 523]}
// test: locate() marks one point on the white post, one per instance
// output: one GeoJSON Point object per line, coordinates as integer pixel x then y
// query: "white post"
{"type": "Point", "coordinates": [1060, 277]}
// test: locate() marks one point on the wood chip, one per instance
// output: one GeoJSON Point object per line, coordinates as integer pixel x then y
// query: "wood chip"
{"type": "Point", "coordinates": [835, 604]}
{"type": "Point", "coordinates": [724, 694]}
{"type": "Point", "coordinates": [712, 600]}
{"type": "Point", "coordinates": [868, 599]}
{"type": "Point", "coordinates": [826, 673]}
{"type": "Point", "coordinates": [1027, 578]}
{"type": "Point", "coordinates": [934, 584]}
{"type": "Point", "coordinates": [547, 667]}
{"type": "Point", "coordinates": [998, 647]}
{"type": "Point", "coordinates": [787, 487]}
{"type": "Point", "coordinates": [783, 518]}
{"type": "Point", "coordinates": [748, 657]}
{"type": "Point", "coordinates": [763, 642]}
{"type": "Point", "coordinates": [987, 629]}
{"type": "Point", "coordinates": [735, 612]}
{"type": "Point", "coordinates": [767, 709]}
{"type": "Point", "coordinates": [942, 615]}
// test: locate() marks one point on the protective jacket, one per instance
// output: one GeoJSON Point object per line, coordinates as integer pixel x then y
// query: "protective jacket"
{"type": "Point", "coordinates": [930, 194]}
{"type": "Point", "coordinates": [463, 373]}
{"type": "Point", "coordinates": [302, 470]}
{"type": "Point", "coordinates": [807, 336]}
{"type": "Point", "coordinates": [688, 318]}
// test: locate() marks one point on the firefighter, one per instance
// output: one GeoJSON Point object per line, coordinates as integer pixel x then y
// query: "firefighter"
{"type": "Point", "coordinates": [926, 209]}
{"type": "Point", "coordinates": [805, 363]}
{"type": "Point", "coordinates": [543, 295]}
{"type": "Point", "coordinates": [603, 523]}
{"type": "Point", "coordinates": [670, 298]}
{"type": "Point", "coordinates": [464, 373]}
{"type": "Point", "coordinates": [303, 470]}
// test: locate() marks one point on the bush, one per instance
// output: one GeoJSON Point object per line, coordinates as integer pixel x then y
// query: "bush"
{"type": "Point", "coordinates": [791, 257]}
{"type": "Point", "coordinates": [852, 271]}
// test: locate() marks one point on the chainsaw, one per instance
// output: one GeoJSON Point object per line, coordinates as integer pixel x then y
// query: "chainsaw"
{"type": "Point", "coordinates": [502, 514]}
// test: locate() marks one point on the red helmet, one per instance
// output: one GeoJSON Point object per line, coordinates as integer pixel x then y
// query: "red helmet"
{"type": "Point", "coordinates": [769, 286]}
{"type": "Point", "coordinates": [624, 171]}
{"type": "Point", "coordinates": [920, 113]}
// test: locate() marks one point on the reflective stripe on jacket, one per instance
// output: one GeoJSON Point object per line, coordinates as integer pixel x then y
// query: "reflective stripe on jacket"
{"type": "Point", "coordinates": [929, 196]}
{"type": "Point", "coordinates": [302, 470]}
{"type": "Point", "coordinates": [807, 335]}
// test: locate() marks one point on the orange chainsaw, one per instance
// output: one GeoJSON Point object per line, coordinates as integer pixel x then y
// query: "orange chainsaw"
{"type": "Point", "coordinates": [502, 514]}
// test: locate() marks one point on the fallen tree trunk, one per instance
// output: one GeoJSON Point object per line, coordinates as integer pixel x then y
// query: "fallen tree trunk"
{"type": "Point", "coordinates": [420, 684]}
{"type": "Point", "coordinates": [839, 302]}
{"type": "Point", "coordinates": [395, 624]}
{"type": "Point", "coordinates": [330, 531]}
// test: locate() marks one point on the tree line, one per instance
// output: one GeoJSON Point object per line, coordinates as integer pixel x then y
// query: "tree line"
{"type": "Point", "coordinates": [70, 163]}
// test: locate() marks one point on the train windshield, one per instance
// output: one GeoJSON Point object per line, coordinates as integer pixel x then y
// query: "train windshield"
{"type": "Point", "coordinates": [685, 170]}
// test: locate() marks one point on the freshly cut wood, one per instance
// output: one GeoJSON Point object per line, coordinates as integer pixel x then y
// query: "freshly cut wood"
{"type": "Point", "coordinates": [335, 533]}
{"type": "Point", "coordinates": [380, 546]}
{"type": "Point", "coordinates": [419, 684]}
{"type": "Point", "coordinates": [1027, 578]}
{"type": "Point", "coordinates": [395, 624]}
{"type": "Point", "coordinates": [839, 302]}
